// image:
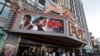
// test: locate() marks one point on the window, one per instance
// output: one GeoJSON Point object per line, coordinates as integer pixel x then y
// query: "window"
{"type": "Point", "coordinates": [2, 1]}
{"type": "Point", "coordinates": [37, 3]}
{"type": "Point", "coordinates": [8, 4]}
{"type": "Point", "coordinates": [42, 2]}
{"type": "Point", "coordinates": [5, 11]}
{"type": "Point", "coordinates": [31, 2]}
{"type": "Point", "coordinates": [4, 8]}
{"type": "Point", "coordinates": [54, 1]}
{"type": "Point", "coordinates": [12, 37]}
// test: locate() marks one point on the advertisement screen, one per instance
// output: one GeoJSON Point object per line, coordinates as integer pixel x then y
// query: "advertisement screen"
{"type": "Point", "coordinates": [41, 23]}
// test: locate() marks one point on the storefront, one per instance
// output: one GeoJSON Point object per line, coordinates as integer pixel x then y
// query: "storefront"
{"type": "Point", "coordinates": [2, 34]}
{"type": "Point", "coordinates": [42, 43]}
{"type": "Point", "coordinates": [59, 35]}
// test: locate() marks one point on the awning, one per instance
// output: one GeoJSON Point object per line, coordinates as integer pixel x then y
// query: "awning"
{"type": "Point", "coordinates": [55, 40]}
{"type": "Point", "coordinates": [88, 48]}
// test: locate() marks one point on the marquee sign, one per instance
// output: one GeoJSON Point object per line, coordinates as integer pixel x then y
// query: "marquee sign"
{"type": "Point", "coordinates": [35, 23]}
{"type": "Point", "coordinates": [39, 24]}
{"type": "Point", "coordinates": [75, 30]}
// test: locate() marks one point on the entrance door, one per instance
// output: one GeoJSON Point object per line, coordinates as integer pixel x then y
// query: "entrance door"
{"type": "Point", "coordinates": [29, 49]}
{"type": "Point", "coordinates": [22, 50]}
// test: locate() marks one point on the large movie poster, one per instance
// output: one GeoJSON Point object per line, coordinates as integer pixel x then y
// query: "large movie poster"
{"type": "Point", "coordinates": [9, 48]}
{"type": "Point", "coordinates": [41, 23]}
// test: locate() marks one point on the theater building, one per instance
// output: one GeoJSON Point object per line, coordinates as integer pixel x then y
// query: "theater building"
{"type": "Point", "coordinates": [45, 28]}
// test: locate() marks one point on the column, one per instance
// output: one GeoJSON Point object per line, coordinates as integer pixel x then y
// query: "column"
{"type": "Point", "coordinates": [80, 51]}
{"type": "Point", "coordinates": [68, 53]}
{"type": "Point", "coordinates": [73, 53]}
{"type": "Point", "coordinates": [66, 3]}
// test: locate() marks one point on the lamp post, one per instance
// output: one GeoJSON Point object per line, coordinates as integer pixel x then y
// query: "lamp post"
{"type": "Point", "coordinates": [98, 45]}
{"type": "Point", "coordinates": [92, 39]}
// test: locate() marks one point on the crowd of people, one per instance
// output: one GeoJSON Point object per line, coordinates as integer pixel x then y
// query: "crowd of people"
{"type": "Point", "coordinates": [55, 52]}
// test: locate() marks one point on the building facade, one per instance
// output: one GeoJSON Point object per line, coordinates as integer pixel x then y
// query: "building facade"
{"type": "Point", "coordinates": [78, 11]}
{"type": "Point", "coordinates": [53, 26]}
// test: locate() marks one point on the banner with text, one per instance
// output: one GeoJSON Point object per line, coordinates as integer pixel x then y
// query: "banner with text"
{"type": "Point", "coordinates": [41, 23]}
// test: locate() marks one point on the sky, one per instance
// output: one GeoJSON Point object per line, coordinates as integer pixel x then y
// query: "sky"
{"type": "Point", "coordinates": [92, 13]}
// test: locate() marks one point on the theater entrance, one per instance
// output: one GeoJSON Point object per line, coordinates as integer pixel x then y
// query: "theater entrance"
{"type": "Point", "coordinates": [22, 50]}
{"type": "Point", "coordinates": [28, 50]}
{"type": "Point", "coordinates": [28, 47]}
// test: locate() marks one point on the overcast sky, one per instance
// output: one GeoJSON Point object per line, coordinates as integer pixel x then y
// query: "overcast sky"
{"type": "Point", "coordinates": [92, 13]}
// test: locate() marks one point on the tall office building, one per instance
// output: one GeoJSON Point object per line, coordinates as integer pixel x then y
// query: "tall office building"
{"type": "Point", "coordinates": [45, 26]}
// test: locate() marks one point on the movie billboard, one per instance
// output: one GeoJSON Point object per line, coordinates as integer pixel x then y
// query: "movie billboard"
{"type": "Point", "coordinates": [41, 23]}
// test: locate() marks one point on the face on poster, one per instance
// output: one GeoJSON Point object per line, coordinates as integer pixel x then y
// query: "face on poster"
{"type": "Point", "coordinates": [9, 48]}
{"type": "Point", "coordinates": [41, 23]}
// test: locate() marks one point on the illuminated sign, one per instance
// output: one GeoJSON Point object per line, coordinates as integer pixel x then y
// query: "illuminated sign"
{"type": "Point", "coordinates": [39, 23]}
{"type": "Point", "coordinates": [73, 29]}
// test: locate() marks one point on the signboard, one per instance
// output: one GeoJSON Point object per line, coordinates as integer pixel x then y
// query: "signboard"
{"type": "Point", "coordinates": [75, 31]}
{"type": "Point", "coordinates": [38, 24]}
{"type": "Point", "coordinates": [41, 23]}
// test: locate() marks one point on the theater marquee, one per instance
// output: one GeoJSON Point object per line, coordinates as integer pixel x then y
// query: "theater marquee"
{"type": "Point", "coordinates": [41, 23]}
{"type": "Point", "coordinates": [38, 24]}
{"type": "Point", "coordinates": [35, 23]}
